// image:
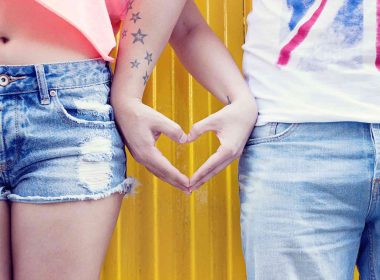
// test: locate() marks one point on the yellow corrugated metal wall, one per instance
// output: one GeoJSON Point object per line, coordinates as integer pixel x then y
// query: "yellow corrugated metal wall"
{"type": "Point", "coordinates": [161, 233]}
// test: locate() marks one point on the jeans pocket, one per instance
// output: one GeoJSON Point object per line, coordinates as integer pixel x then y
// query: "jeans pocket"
{"type": "Point", "coordinates": [270, 132]}
{"type": "Point", "coordinates": [85, 106]}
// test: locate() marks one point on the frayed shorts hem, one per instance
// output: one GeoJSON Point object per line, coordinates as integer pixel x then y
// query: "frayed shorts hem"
{"type": "Point", "coordinates": [126, 187]}
{"type": "Point", "coordinates": [4, 195]}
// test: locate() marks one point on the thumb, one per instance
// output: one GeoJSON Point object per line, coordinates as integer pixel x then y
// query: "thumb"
{"type": "Point", "coordinates": [200, 128]}
{"type": "Point", "coordinates": [172, 130]}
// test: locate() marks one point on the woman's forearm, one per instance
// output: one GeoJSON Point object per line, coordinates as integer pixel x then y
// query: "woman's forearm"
{"type": "Point", "coordinates": [144, 34]}
{"type": "Point", "coordinates": [206, 57]}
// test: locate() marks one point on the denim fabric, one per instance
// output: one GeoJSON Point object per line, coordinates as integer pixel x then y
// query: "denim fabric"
{"type": "Point", "coordinates": [310, 201]}
{"type": "Point", "coordinates": [59, 141]}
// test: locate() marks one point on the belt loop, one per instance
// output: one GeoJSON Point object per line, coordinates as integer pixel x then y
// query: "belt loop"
{"type": "Point", "coordinates": [42, 84]}
{"type": "Point", "coordinates": [110, 69]}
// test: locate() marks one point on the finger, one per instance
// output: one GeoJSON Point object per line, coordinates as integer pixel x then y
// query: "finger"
{"type": "Point", "coordinates": [171, 129]}
{"type": "Point", "coordinates": [222, 155]}
{"type": "Point", "coordinates": [161, 176]}
{"type": "Point", "coordinates": [169, 180]}
{"type": "Point", "coordinates": [162, 168]}
{"type": "Point", "coordinates": [201, 127]}
{"type": "Point", "coordinates": [211, 174]}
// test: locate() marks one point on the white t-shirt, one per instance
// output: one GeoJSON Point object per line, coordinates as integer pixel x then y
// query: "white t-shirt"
{"type": "Point", "coordinates": [314, 60]}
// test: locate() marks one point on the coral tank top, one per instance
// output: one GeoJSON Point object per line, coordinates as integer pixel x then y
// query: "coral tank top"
{"type": "Point", "coordinates": [93, 18]}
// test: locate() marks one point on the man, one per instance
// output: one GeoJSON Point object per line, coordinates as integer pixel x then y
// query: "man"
{"type": "Point", "coordinates": [309, 179]}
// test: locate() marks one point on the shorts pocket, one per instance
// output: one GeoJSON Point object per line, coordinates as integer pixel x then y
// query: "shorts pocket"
{"type": "Point", "coordinates": [85, 106]}
{"type": "Point", "coordinates": [270, 132]}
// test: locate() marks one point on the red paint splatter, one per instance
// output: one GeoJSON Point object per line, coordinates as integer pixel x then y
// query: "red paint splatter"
{"type": "Point", "coordinates": [302, 33]}
{"type": "Point", "coordinates": [378, 36]}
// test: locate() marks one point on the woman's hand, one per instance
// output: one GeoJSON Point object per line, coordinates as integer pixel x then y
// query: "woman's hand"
{"type": "Point", "coordinates": [140, 128]}
{"type": "Point", "coordinates": [141, 43]}
{"type": "Point", "coordinates": [232, 125]}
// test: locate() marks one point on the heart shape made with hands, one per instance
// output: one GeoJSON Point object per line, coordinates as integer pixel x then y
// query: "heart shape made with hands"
{"type": "Point", "coordinates": [212, 166]}
{"type": "Point", "coordinates": [148, 125]}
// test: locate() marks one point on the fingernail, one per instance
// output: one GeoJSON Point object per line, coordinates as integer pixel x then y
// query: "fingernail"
{"type": "Point", "coordinates": [183, 138]}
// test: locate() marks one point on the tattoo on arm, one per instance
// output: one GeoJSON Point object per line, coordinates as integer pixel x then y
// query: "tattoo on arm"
{"type": "Point", "coordinates": [130, 5]}
{"type": "Point", "coordinates": [135, 64]}
{"type": "Point", "coordinates": [124, 34]}
{"type": "Point", "coordinates": [135, 17]}
{"type": "Point", "coordinates": [139, 36]}
{"type": "Point", "coordinates": [146, 78]}
{"type": "Point", "coordinates": [148, 57]}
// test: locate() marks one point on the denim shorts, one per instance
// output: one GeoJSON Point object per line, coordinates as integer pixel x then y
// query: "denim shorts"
{"type": "Point", "coordinates": [59, 141]}
{"type": "Point", "coordinates": [309, 195]}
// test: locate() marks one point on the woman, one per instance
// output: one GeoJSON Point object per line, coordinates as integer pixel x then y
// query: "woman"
{"type": "Point", "coordinates": [63, 158]}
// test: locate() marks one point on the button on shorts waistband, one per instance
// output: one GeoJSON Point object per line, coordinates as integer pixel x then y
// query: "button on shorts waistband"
{"type": "Point", "coordinates": [6, 79]}
{"type": "Point", "coordinates": [24, 78]}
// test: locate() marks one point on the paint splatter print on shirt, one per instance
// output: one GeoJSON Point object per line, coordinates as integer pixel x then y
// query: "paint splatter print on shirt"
{"type": "Point", "coordinates": [338, 31]}
{"type": "Point", "coordinates": [314, 60]}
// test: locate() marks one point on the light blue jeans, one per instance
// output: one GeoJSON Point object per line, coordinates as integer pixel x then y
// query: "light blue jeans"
{"type": "Point", "coordinates": [310, 201]}
{"type": "Point", "coordinates": [58, 137]}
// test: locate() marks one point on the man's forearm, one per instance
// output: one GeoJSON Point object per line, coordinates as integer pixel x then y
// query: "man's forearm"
{"type": "Point", "coordinates": [206, 57]}
{"type": "Point", "coordinates": [144, 34]}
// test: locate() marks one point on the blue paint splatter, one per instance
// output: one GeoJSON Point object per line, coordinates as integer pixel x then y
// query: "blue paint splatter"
{"type": "Point", "coordinates": [299, 8]}
{"type": "Point", "coordinates": [348, 23]}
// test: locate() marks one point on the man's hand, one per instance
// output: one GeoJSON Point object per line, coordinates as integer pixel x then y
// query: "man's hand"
{"type": "Point", "coordinates": [140, 127]}
{"type": "Point", "coordinates": [232, 125]}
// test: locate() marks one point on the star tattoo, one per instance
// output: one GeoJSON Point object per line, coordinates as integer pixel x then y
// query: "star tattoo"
{"type": "Point", "coordinates": [146, 78]}
{"type": "Point", "coordinates": [124, 34]}
{"type": "Point", "coordinates": [139, 36]}
{"type": "Point", "coordinates": [148, 57]}
{"type": "Point", "coordinates": [135, 17]}
{"type": "Point", "coordinates": [229, 100]}
{"type": "Point", "coordinates": [129, 5]}
{"type": "Point", "coordinates": [135, 64]}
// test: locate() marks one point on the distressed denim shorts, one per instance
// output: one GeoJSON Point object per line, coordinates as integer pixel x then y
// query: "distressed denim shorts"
{"type": "Point", "coordinates": [59, 141]}
{"type": "Point", "coordinates": [310, 201]}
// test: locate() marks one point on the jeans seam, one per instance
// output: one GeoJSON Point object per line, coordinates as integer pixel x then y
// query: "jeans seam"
{"type": "Point", "coordinates": [269, 139]}
{"type": "Point", "coordinates": [70, 87]}
{"type": "Point", "coordinates": [17, 134]}
{"type": "Point", "coordinates": [373, 180]}
{"type": "Point", "coordinates": [83, 85]}
{"type": "Point", "coordinates": [371, 264]}
{"type": "Point", "coordinates": [18, 92]}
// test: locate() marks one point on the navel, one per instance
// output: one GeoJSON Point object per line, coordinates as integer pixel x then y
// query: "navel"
{"type": "Point", "coordinates": [4, 39]}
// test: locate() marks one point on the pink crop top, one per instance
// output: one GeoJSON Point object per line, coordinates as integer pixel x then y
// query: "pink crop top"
{"type": "Point", "coordinates": [93, 18]}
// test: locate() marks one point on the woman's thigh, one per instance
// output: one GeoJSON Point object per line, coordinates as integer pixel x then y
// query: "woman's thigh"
{"type": "Point", "coordinates": [5, 248]}
{"type": "Point", "coordinates": [65, 240]}
{"type": "Point", "coordinates": [305, 190]}
{"type": "Point", "coordinates": [62, 145]}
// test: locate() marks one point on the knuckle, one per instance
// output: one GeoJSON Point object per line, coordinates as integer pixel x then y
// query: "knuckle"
{"type": "Point", "coordinates": [196, 128]}
{"type": "Point", "coordinates": [177, 127]}
{"type": "Point", "coordinates": [229, 150]}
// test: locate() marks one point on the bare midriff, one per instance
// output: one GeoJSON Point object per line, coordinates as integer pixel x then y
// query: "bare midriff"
{"type": "Point", "coordinates": [31, 34]}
